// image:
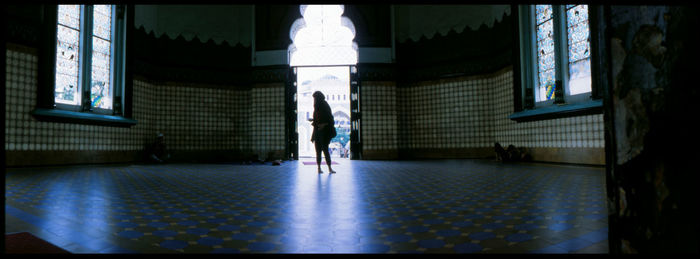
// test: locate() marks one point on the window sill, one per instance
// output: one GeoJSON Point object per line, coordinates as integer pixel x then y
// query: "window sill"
{"type": "Point", "coordinates": [54, 115]}
{"type": "Point", "coordinates": [559, 111]}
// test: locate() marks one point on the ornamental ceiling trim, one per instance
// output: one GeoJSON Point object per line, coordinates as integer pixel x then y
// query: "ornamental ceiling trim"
{"type": "Point", "coordinates": [416, 21]}
{"type": "Point", "coordinates": [222, 24]}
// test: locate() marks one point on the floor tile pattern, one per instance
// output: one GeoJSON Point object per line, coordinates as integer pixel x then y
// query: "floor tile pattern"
{"type": "Point", "coordinates": [435, 206]}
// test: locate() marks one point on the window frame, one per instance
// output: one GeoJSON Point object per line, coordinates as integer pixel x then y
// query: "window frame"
{"type": "Point", "coordinates": [47, 108]}
{"type": "Point", "coordinates": [525, 68]}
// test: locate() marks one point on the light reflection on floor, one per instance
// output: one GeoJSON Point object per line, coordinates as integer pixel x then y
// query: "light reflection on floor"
{"type": "Point", "coordinates": [439, 206]}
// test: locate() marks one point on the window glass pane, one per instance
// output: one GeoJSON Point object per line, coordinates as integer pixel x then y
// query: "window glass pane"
{"type": "Point", "coordinates": [544, 13]}
{"type": "Point", "coordinates": [545, 52]}
{"type": "Point", "coordinates": [102, 21]}
{"type": "Point", "coordinates": [69, 16]}
{"type": "Point", "coordinates": [579, 49]}
{"type": "Point", "coordinates": [67, 89]}
{"type": "Point", "coordinates": [101, 91]}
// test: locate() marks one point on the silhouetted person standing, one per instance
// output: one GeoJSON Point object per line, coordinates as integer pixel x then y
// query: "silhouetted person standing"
{"type": "Point", "coordinates": [324, 129]}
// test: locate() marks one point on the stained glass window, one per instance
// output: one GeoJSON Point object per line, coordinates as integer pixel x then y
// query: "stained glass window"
{"type": "Point", "coordinates": [67, 90]}
{"type": "Point", "coordinates": [556, 47]}
{"type": "Point", "coordinates": [544, 13]}
{"type": "Point", "coordinates": [88, 73]}
{"type": "Point", "coordinates": [69, 55]}
{"type": "Point", "coordinates": [545, 52]}
{"type": "Point", "coordinates": [579, 49]}
{"type": "Point", "coordinates": [100, 92]}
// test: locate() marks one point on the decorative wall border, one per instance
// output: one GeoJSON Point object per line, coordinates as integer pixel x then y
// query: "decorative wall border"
{"type": "Point", "coordinates": [165, 59]}
{"type": "Point", "coordinates": [457, 54]}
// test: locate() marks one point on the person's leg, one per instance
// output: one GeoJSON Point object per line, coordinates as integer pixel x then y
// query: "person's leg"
{"type": "Point", "coordinates": [328, 159]}
{"type": "Point", "coordinates": [318, 156]}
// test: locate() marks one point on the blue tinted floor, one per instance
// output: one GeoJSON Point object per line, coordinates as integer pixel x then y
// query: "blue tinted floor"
{"type": "Point", "coordinates": [438, 206]}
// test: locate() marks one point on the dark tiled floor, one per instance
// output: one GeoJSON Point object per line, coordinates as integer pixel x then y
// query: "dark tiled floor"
{"type": "Point", "coordinates": [445, 206]}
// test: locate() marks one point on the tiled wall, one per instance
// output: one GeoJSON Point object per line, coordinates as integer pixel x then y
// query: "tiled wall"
{"type": "Point", "coordinates": [472, 113]}
{"type": "Point", "coordinates": [193, 117]}
{"type": "Point", "coordinates": [266, 120]}
{"type": "Point", "coordinates": [445, 114]}
{"type": "Point", "coordinates": [380, 131]}
{"type": "Point", "coordinates": [572, 132]}
{"type": "Point", "coordinates": [23, 132]}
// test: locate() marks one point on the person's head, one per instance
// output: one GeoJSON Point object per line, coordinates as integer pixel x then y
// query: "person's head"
{"type": "Point", "coordinates": [318, 96]}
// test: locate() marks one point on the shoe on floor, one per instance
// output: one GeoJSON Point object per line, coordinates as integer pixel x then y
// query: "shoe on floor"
{"type": "Point", "coordinates": [320, 171]}
{"type": "Point", "coordinates": [331, 172]}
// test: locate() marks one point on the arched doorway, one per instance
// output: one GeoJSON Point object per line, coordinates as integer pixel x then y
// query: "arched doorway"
{"type": "Point", "coordinates": [323, 57]}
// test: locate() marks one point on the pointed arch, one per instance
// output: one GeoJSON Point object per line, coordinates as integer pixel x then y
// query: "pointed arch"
{"type": "Point", "coordinates": [322, 37]}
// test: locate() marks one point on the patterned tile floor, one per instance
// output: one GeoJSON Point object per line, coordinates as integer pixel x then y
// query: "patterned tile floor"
{"type": "Point", "coordinates": [436, 206]}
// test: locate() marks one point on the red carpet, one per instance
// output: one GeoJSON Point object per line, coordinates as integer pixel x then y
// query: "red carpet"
{"type": "Point", "coordinates": [314, 163]}
{"type": "Point", "coordinates": [26, 243]}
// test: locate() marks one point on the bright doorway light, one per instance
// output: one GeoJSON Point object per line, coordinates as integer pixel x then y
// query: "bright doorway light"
{"type": "Point", "coordinates": [322, 37]}
{"type": "Point", "coordinates": [322, 50]}
{"type": "Point", "coordinates": [333, 82]}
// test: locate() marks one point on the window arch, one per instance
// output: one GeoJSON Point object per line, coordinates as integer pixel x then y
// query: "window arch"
{"type": "Point", "coordinates": [322, 37]}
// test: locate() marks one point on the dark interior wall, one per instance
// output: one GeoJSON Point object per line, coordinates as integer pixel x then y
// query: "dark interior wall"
{"type": "Point", "coordinates": [272, 24]}
{"type": "Point", "coordinates": [381, 134]}
{"type": "Point", "coordinates": [455, 93]}
{"type": "Point", "coordinates": [198, 94]}
{"type": "Point", "coordinates": [229, 24]}
{"type": "Point", "coordinates": [428, 104]}
{"type": "Point", "coordinates": [654, 129]}
{"type": "Point", "coordinates": [201, 122]}
{"type": "Point", "coordinates": [23, 24]}
{"type": "Point", "coordinates": [471, 52]}
{"type": "Point", "coordinates": [162, 58]}
{"type": "Point", "coordinates": [448, 87]}
{"type": "Point", "coordinates": [372, 24]}
{"type": "Point", "coordinates": [461, 117]}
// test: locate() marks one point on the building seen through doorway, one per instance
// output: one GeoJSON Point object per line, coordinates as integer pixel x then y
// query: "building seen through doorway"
{"type": "Point", "coordinates": [333, 82]}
